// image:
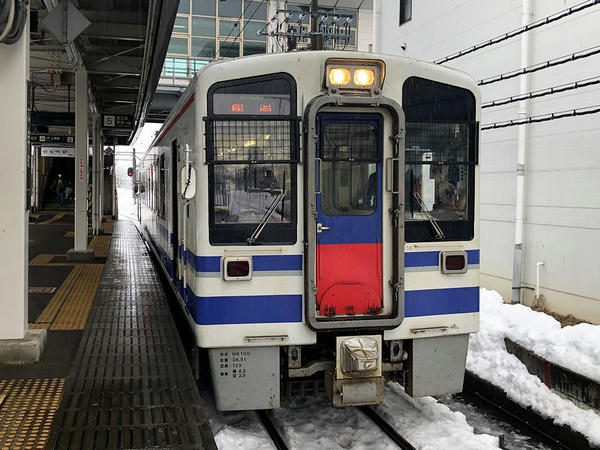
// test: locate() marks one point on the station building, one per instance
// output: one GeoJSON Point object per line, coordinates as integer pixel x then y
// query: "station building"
{"type": "Point", "coordinates": [559, 202]}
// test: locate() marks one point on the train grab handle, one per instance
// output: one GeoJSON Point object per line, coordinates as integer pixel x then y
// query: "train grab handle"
{"type": "Point", "coordinates": [389, 175]}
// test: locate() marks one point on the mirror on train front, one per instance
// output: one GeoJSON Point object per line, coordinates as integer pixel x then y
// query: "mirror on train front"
{"type": "Point", "coordinates": [188, 182]}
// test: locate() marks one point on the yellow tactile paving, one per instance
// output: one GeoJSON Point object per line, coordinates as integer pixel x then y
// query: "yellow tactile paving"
{"type": "Point", "coordinates": [45, 259]}
{"type": "Point", "coordinates": [100, 245]}
{"type": "Point", "coordinates": [70, 234]}
{"type": "Point", "coordinates": [41, 260]}
{"type": "Point", "coordinates": [39, 326]}
{"type": "Point", "coordinates": [27, 411]}
{"type": "Point", "coordinates": [60, 296]}
{"type": "Point", "coordinates": [53, 219]}
{"type": "Point", "coordinates": [108, 228]}
{"type": "Point", "coordinates": [74, 312]}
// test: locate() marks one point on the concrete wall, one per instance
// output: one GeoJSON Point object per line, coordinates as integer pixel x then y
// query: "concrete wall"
{"type": "Point", "coordinates": [563, 156]}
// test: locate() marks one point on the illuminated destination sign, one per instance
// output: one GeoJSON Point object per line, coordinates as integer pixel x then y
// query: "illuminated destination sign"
{"type": "Point", "coordinates": [252, 104]}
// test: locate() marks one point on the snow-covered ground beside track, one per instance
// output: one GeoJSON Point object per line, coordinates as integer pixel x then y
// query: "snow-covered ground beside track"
{"type": "Point", "coordinates": [488, 358]}
{"type": "Point", "coordinates": [574, 347]}
{"type": "Point", "coordinates": [312, 423]}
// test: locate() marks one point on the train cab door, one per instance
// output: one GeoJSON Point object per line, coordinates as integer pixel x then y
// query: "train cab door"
{"type": "Point", "coordinates": [175, 213]}
{"type": "Point", "coordinates": [350, 211]}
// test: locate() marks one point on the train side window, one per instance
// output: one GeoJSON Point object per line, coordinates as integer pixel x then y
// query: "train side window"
{"type": "Point", "coordinates": [252, 143]}
{"type": "Point", "coordinates": [441, 152]}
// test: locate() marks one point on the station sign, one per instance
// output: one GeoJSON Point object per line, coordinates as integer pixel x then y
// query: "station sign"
{"type": "Point", "coordinates": [117, 121]}
{"type": "Point", "coordinates": [52, 139]}
{"type": "Point", "coordinates": [58, 152]}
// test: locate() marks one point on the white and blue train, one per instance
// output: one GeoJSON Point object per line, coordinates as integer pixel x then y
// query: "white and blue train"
{"type": "Point", "coordinates": [317, 214]}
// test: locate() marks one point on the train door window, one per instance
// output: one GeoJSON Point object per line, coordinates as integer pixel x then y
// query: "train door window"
{"type": "Point", "coordinates": [349, 158]}
{"type": "Point", "coordinates": [162, 191]}
{"type": "Point", "coordinates": [252, 142]}
{"type": "Point", "coordinates": [441, 152]}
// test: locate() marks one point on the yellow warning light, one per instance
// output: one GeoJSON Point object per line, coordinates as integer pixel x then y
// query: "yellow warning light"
{"type": "Point", "coordinates": [339, 76]}
{"type": "Point", "coordinates": [364, 77]}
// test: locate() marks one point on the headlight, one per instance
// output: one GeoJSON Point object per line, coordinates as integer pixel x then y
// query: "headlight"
{"type": "Point", "coordinates": [364, 77]}
{"type": "Point", "coordinates": [354, 76]}
{"type": "Point", "coordinates": [339, 76]}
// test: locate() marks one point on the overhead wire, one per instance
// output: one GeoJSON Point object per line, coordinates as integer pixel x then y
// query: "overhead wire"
{"type": "Point", "coordinates": [236, 24]}
{"type": "Point", "coordinates": [542, 92]}
{"type": "Point", "coordinates": [537, 24]}
{"type": "Point", "coordinates": [246, 21]}
{"type": "Point", "coordinates": [543, 117]}
{"type": "Point", "coordinates": [543, 65]}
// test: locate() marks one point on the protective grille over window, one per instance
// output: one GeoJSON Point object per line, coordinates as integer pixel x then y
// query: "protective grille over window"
{"type": "Point", "coordinates": [252, 141]}
{"type": "Point", "coordinates": [350, 142]}
{"type": "Point", "coordinates": [438, 143]}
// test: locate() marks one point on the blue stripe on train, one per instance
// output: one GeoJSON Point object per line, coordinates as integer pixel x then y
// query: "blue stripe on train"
{"type": "Point", "coordinates": [288, 308]}
{"type": "Point", "coordinates": [260, 263]}
{"type": "Point", "coordinates": [245, 309]}
{"type": "Point", "coordinates": [424, 259]}
{"type": "Point", "coordinates": [434, 302]}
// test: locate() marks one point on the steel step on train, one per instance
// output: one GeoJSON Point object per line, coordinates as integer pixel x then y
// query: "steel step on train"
{"type": "Point", "coordinates": [316, 213]}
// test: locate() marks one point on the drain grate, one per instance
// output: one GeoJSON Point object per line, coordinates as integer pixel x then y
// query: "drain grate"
{"type": "Point", "coordinates": [130, 385]}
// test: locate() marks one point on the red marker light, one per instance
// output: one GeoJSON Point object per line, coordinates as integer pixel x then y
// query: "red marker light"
{"type": "Point", "coordinates": [237, 107]}
{"type": "Point", "coordinates": [265, 108]}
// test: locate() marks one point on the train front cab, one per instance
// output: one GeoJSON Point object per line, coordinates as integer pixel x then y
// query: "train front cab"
{"type": "Point", "coordinates": [382, 178]}
{"type": "Point", "coordinates": [351, 234]}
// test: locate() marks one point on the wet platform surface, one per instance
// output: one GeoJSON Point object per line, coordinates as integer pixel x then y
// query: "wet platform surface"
{"type": "Point", "coordinates": [130, 384]}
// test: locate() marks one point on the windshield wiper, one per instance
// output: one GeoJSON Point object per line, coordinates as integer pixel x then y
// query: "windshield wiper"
{"type": "Point", "coordinates": [434, 223]}
{"type": "Point", "coordinates": [265, 218]}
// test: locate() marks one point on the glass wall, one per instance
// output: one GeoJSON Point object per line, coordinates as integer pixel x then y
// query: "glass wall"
{"type": "Point", "coordinates": [205, 30]}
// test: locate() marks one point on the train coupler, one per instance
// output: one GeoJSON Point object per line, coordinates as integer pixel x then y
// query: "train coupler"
{"type": "Point", "coordinates": [357, 378]}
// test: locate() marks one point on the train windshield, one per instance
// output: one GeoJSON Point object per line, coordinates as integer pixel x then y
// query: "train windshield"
{"type": "Point", "coordinates": [441, 153]}
{"type": "Point", "coordinates": [252, 142]}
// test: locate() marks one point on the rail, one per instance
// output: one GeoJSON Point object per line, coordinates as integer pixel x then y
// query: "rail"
{"type": "Point", "coordinates": [398, 439]}
{"type": "Point", "coordinates": [267, 422]}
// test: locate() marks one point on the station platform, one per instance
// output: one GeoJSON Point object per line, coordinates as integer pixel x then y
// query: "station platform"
{"type": "Point", "coordinates": [115, 373]}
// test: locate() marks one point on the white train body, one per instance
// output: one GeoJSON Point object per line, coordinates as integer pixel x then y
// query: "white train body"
{"type": "Point", "coordinates": [373, 237]}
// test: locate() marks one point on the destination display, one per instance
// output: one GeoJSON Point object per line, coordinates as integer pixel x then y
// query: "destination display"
{"type": "Point", "coordinates": [252, 104]}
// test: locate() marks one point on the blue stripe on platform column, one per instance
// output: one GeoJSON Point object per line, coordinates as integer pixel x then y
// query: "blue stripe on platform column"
{"type": "Point", "coordinates": [433, 302]}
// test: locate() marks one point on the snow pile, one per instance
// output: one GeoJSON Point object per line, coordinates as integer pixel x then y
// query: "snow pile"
{"type": "Point", "coordinates": [539, 332]}
{"type": "Point", "coordinates": [428, 424]}
{"type": "Point", "coordinates": [574, 347]}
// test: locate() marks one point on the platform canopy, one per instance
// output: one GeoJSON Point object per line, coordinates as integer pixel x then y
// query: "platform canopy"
{"type": "Point", "coordinates": [122, 48]}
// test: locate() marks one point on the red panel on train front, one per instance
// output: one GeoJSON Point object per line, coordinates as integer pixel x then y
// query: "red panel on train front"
{"type": "Point", "coordinates": [349, 279]}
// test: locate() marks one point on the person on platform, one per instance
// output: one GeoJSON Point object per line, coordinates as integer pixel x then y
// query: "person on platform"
{"type": "Point", "coordinates": [59, 188]}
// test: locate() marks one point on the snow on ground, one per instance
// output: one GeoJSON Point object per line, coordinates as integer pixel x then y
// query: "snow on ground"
{"type": "Point", "coordinates": [313, 423]}
{"type": "Point", "coordinates": [428, 424]}
{"type": "Point", "coordinates": [489, 359]}
{"type": "Point", "coordinates": [574, 347]}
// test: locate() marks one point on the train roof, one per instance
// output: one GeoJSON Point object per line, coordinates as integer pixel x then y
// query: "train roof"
{"type": "Point", "coordinates": [295, 62]}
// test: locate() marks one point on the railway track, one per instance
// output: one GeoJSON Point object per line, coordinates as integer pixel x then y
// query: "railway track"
{"type": "Point", "coordinates": [389, 431]}
{"type": "Point", "coordinates": [393, 435]}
